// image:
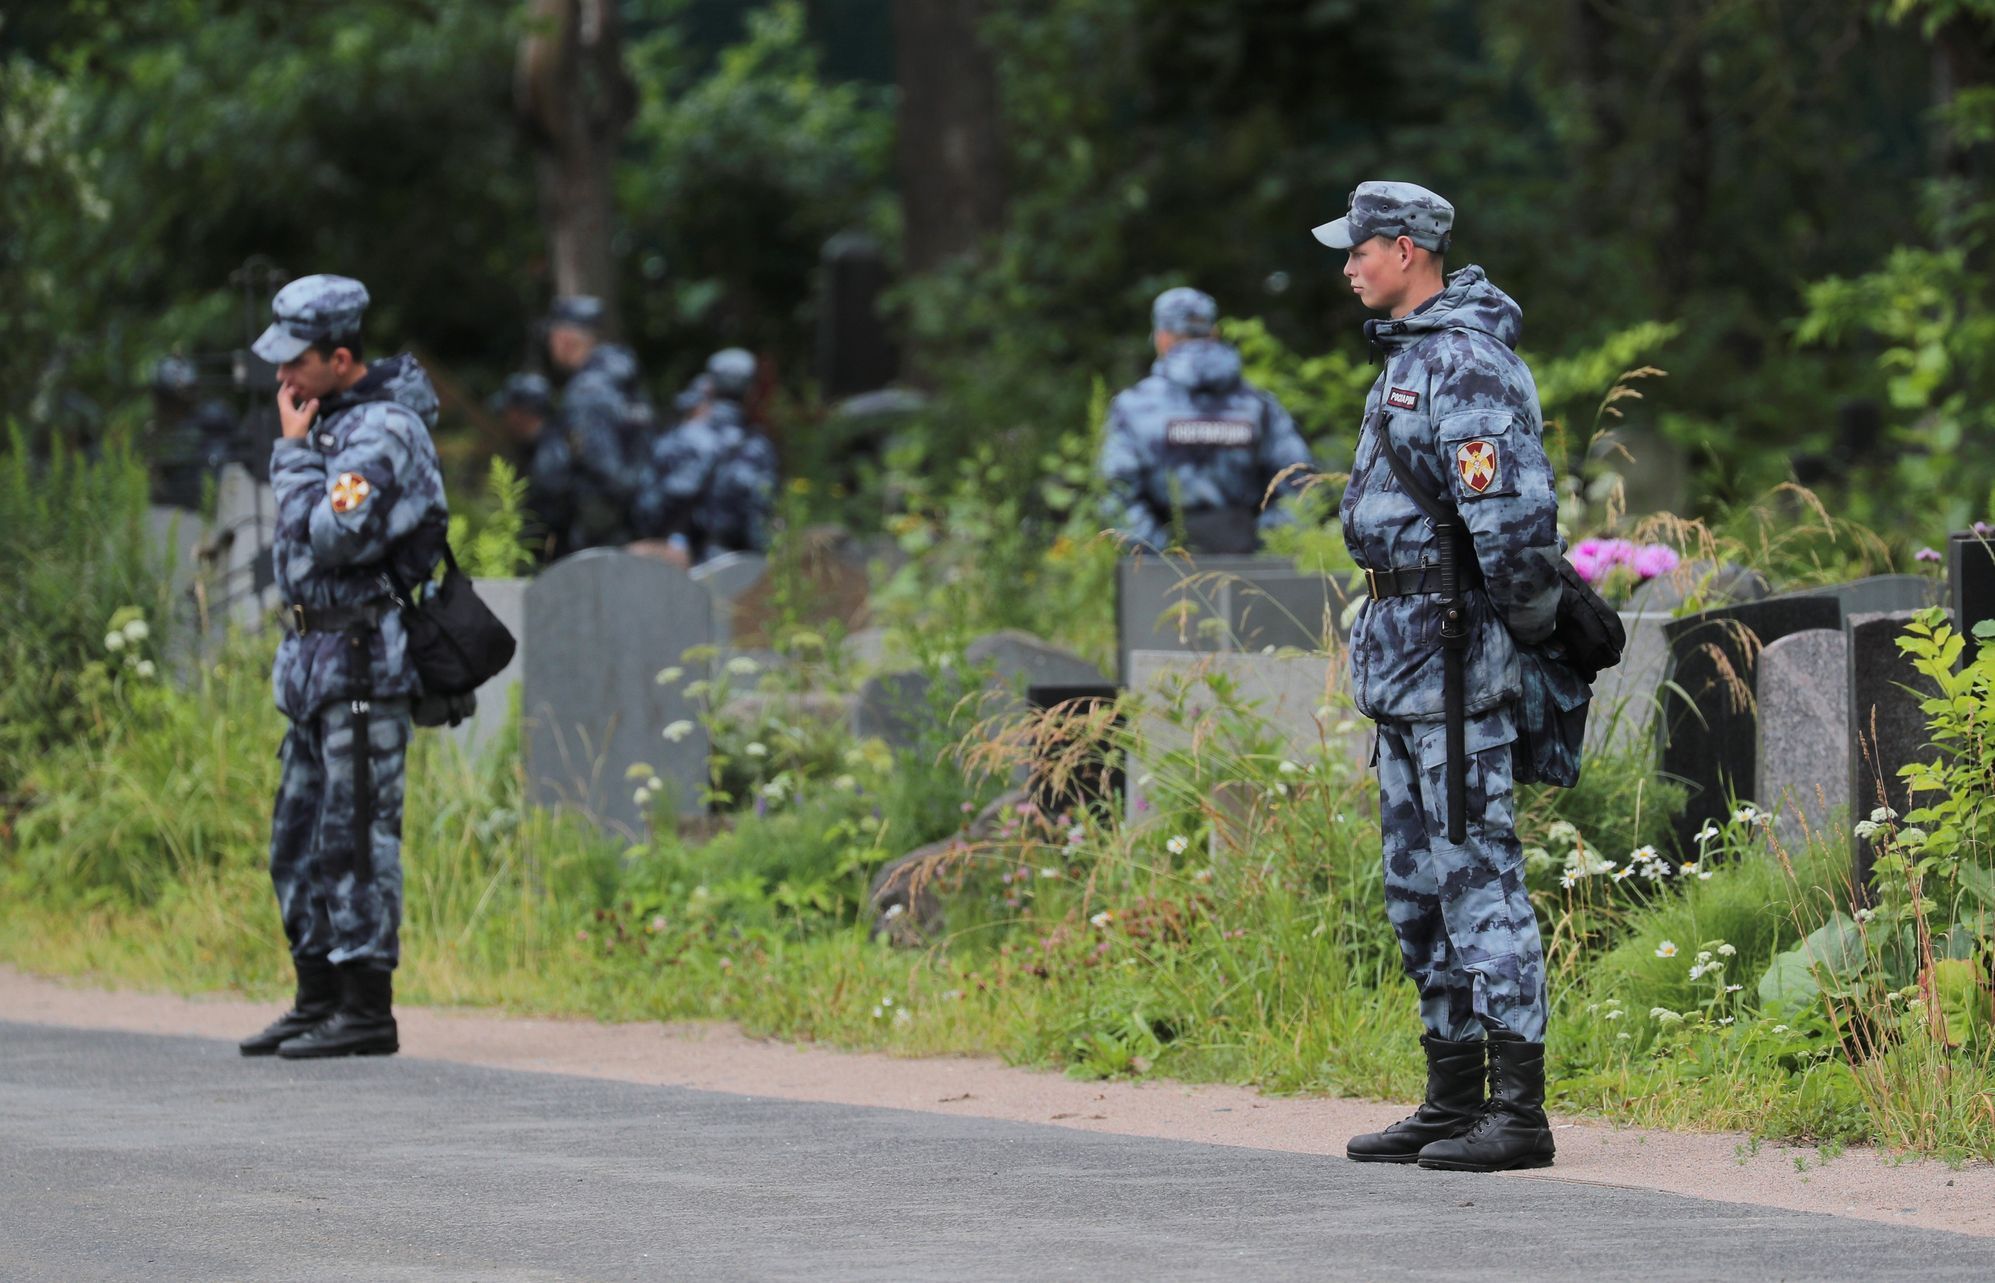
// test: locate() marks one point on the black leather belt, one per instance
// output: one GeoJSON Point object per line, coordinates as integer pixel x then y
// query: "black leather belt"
{"type": "Point", "coordinates": [331, 619]}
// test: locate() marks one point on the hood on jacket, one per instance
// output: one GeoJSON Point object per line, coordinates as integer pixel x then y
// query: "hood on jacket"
{"type": "Point", "coordinates": [398, 378]}
{"type": "Point", "coordinates": [1468, 301]}
{"type": "Point", "coordinates": [1203, 365]}
{"type": "Point", "coordinates": [612, 361]}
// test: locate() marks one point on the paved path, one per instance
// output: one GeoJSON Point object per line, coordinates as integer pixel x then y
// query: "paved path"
{"type": "Point", "coordinates": [127, 1156]}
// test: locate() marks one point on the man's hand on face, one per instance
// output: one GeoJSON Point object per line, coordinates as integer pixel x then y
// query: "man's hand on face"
{"type": "Point", "coordinates": [294, 416]}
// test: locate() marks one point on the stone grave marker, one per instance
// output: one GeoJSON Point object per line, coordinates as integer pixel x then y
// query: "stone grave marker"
{"type": "Point", "coordinates": [1177, 602]}
{"type": "Point", "coordinates": [600, 625]}
{"type": "Point", "coordinates": [1625, 697]}
{"type": "Point", "coordinates": [1293, 610]}
{"type": "Point", "coordinates": [507, 598]}
{"type": "Point", "coordinates": [1709, 722]}
{"type": "Point", "coordinates": [244, 530]}
{"type": "Point", "coordinates": [1970, 584]}
{"type": "Point", "coordinates": [1804, 744]}
{"type": "Point", "coordinates": [727, 577]}
{"type": "Point", "coordinates": [1887, 730]}
{"type": "Point", "coordinates": [895, 706]}
{"type": "Point", "coordinates": [1285, 691]}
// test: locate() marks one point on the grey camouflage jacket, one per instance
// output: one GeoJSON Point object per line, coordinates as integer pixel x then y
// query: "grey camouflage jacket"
{"type": "Point", "coordinates": [713, 480]}
{"type": "Point", "coordinates": [607, 422]}
{"type": "Point", "coordinates": [1193, 435]}
{"type": "Point", "coordinates": [361, 494]}
{"type": "Point", "coordinates": [1462, 409]}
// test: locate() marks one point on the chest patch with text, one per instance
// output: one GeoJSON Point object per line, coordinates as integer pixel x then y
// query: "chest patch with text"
{"type": "Point", "coordinates": [1210, 434]}
{"type": "Point", "coordinates": [1403, 399]}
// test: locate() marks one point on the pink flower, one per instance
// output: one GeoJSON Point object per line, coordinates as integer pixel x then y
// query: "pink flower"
{"type": "Point", "coordinates": [1983, 529]}
{"type": "Point", "coordinates": [1926, 554]}
{"type": "Point", "coordinates": [1654, 559]}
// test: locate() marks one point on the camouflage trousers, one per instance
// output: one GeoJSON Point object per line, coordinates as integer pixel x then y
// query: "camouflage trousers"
{"type": "Point", "coordinates": [1467, 934]}
{"type": "Point", "coordinates": [336, 832]}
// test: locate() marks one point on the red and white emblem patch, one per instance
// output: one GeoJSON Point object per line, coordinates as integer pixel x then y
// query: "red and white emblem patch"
{"type": "Point", "coordinates": [1476, 461]}
{"type": "Point", "coordinates": [349, 492]}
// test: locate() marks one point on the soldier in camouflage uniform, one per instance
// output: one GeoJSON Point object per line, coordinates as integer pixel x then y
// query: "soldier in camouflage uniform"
{"type": "Point", "coordinates": [1195, 443]}
{"type": "Point", "coordinates": [526, 407]}
{"type": "Point", "coordinates": [606, 421]}
{"type": "Point", "coordinates": [360, 504]}
{"type": "Point", "coordinates": [712, 484]}
{"type": "Point", "coordinates": [1462, 412]}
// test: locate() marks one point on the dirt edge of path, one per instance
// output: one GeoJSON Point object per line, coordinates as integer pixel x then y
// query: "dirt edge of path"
{"type": "Point", "coordinates": [1859, 1183]}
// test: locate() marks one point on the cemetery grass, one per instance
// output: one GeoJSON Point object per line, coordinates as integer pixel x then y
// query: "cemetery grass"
{"type": "Point", "coordinates": [1114, 951]}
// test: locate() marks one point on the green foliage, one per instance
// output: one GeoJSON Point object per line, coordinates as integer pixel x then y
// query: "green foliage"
{"type": "Point", "coordinates": [498, 549]}
{"type": "Point", "coordinates": [75, 551]}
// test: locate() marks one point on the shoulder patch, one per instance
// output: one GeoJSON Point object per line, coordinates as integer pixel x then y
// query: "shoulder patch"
{"type": "Point", "coordinates": [349, 492]}
{"type": "Point", "coordinates": [1477, 462]}
{"type": "Point", "coordinates": [1403, 399]}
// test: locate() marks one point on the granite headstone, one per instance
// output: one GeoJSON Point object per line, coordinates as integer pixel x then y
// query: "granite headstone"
{"type": "Point", "coordinates": [1804, 745]}
{"type": "Point", "coordinates": [600, 626]}
{"type": "Point", "coordinates": [1971, 584]}
{"type": "Point", "coordinates": [1887, 729]}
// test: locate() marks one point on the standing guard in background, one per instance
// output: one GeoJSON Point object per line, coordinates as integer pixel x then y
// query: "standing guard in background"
{"type": "Point", "coordinates": [526, 405]}
{"type": "Point", "coordinates": [606, 421]}
{"type": "Point", "coordinates": [190, 442]}
{"type": "Point", "coordinates": [359, 503]}
{"type": "Point", "coordinates": [712, 484]}
{"type": "Point", "coordinates": [1452, 514]}
{"type": "Point", "coordinates": [1196, 443]}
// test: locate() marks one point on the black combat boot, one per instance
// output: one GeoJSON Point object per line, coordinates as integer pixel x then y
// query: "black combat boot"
{"type": "Point", "coordinates": [317, 999]}
{"type": "Point", "coordinates": [364, 1025]}
{"type": "Point", "coordinates": [1454, 1100]}
{"type": "Point", "coordinates": [1512, 1131]}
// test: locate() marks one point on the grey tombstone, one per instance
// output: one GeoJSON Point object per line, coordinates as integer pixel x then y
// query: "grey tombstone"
{"type": "Point", "coordinates": [175, 537]}
{"type": "Point", "coordinates": [1887, 729]}
{"type": "Point", "coordinates": [1717, 585]}
{"type": "Point", "coordinates": [1880, 593]}
{"type": "Point", "coordinates": [1970, 584]}
{"type": "Point", "coordinates": [855, 351]}
{"type": "Point", "coordinates": [1288, 610]}
{"type": "Point", "coordinates": [1222, 603]}
{"type": "Point", "coordinates": [727, 577]}
{"type": "Point", "coordinates": [892, 707]}
{"type": "Point", "coordinates": [1018, 660]}
{"type": "Point", "coordinates": [245, 529]}
{"type": "Point", "coordinates": [1804, 744]}
{"type": "Point", "coordinates": [600, 626]}
{"type": "Point", "coordinates": [896, 706]}
{"type": "Point", "coordinates": [1709, 714]}
{"type": "Point", "coordinates": [507, 599]}
{"type": "Point", "coordinates": [1286, 694]}
{"type": "Point", "coordinates": [1625, 697]}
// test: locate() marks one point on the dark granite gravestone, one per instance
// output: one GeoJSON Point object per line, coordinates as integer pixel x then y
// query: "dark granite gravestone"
{"type": "Point", "coordinates": [1887, 730]}
{"type": "Point", "coordinates": [1708, 717]}
{"type": "Point", "coordinates": [600, 626]}
{"type": "Point", "coordinates": [1804, 744]}
{"type": "Point", "coordinates": [896, 706]}
{"type": "Point", "coordinates": [855, 353]}
{"type": "Point", "coordinates": [1216, 603]}
{"type": "Point", "coordinates": [1971, 584]}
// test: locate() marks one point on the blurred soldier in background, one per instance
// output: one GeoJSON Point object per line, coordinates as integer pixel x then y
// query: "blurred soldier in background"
{"type": "Point", "coordinates": [605, 420]}
{"type": "Point", "coordinates": [712, 483]}
{"type": "Point", "coordinates": [189, 442]}
{"type": "Point", "coordinates": [1195, 442]}
{"type": "Point", "coordinates": [526, 406]}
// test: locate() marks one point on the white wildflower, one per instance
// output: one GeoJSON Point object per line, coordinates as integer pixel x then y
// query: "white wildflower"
{"type": "Point", "coordinates": [114, 641]}
{"type": "Point", "coordinates": [1747, 814]}
{"type": "Point", "coordinates": [1727, 1020]}
{"type": "Point", "coordinates": [678, 730]}
{"type": "Point", "coordinates": [1706, 833]}
{"type": "Point", "coordinates": [1616, 1015]}
{"type": "Point", "coordinates": [894, 911]}
{"type": "Point", "coordinates": [1780, 1029]}
{"type": "Point", "coordinates": [1049, 873]}
{"type": "Point", "coordinates": [742, 666]}
{"type": "Point", "coordinates": [642, 798]}
{"type": "Point", "coordinates": [1883, 815]}
{"type": "Point", "coordinates": [666, 676]}
{"type": "Point", "coordinates": [1076, 835]}
{"type": "Point", "coordinates": [1664, 1016]}
{"type": "Point", "coordinates": [1102, 919]}
{"type": "Point", "coordinates": [1867, 829]}
{"type": "Point", "coordinates": [756, 748]}
{"type": "Point", "coordinates": [1733, 988]}
{"type": "Point", "coordinates": [1203, 875]}
{"type": "Point", "coordinates": [1667, 949]}
{"type": "Point", "coordinates": [136, 631]}
{"type": "Point", "coordinates": [1289, 768]}
{"type": "Point", "coordinates": [1178, 845]}
{"type": "Point", "coordinates": [1726, 950]}
{"type": "Point", "coordinates": [845, 784]}
{"type": "Point", "coordinates": [145, 668]}
{"type": "Point", "coordinates": [1864, 915]}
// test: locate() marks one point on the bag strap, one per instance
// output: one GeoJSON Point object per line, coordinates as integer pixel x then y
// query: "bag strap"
{"type": "Point", "coordinates": [399, 590]}
{"type": "Point", "coordinates": [1428, 501]}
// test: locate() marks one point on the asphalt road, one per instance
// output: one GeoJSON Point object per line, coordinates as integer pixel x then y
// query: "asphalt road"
{"type": "Point", "coordinates": [126, 1156]}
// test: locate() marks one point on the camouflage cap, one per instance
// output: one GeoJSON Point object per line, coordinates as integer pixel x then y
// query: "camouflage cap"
{"type": "Point", "coordinates": [582, 311]}
{"type": "Point", "coordinates": [1184, 311]}
{"type": "Point", "coordinates": [1391, 209]}
{"type": "Point", "coordinates": [731, 371]}
{"type": "Point", "coordinates": [174, 374]}
{"type": "Point", "coordinates": [526, 391]}
{"type": "Point", "coordinates": [307, 310]}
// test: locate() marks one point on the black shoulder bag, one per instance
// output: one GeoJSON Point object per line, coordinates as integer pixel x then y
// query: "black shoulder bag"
{"type": "Point", "coordinates": [455, 641]}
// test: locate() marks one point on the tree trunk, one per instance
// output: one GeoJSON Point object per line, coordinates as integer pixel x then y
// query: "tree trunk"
{"type": "Point", "coordinates": [574, 99]}
{"type": "Point", "coordinates": [949, 147]}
